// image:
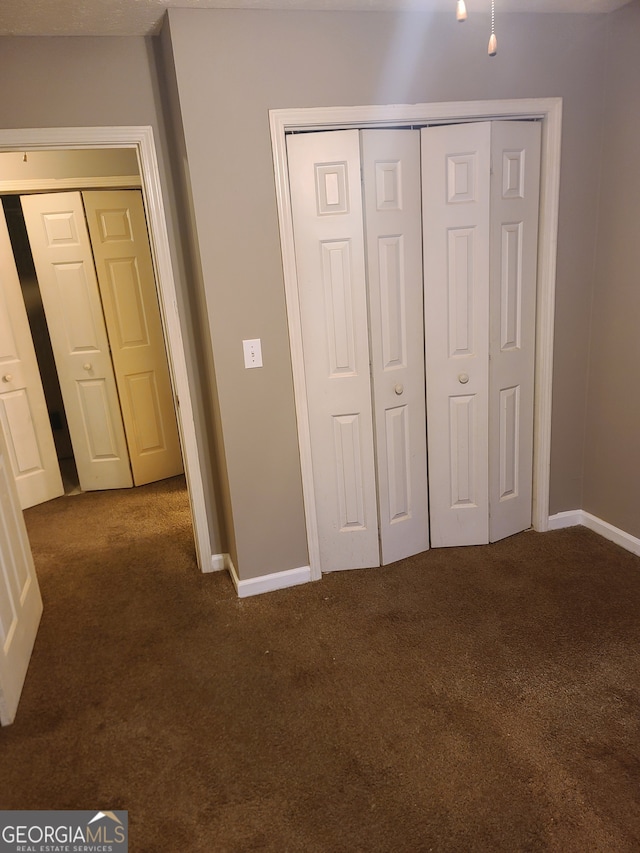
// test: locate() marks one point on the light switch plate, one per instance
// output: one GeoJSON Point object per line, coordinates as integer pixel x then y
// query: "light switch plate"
{"type": "Point", "coordinates": [252, 353]}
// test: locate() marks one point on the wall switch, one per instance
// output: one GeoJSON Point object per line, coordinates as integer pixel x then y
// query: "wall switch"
{"type": "Point", "coordinates": [252, 353]}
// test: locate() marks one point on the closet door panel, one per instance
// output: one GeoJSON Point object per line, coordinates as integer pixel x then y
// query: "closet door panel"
{"type": "Point", "coordinates": [514, 243]}
{"type": "Point", "coordinates": [66, 275]}
{"type": "Point", "coordinates": [391, 185]}
{"type": "Point", "coordinates": [120, 244]}
{"type": "Point", "coordinates": [327, 217]}
{"type": "Point", "coordinates": [455, 199]}
{"type": "Point", "coordinates": [24, 418]}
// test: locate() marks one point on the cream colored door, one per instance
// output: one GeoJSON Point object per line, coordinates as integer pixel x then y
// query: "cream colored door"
{"type": "Point", "coordinates": [118, 233]}
{"type": "Point", "coordinates": [23, 410]}
{"type": "Point", "coordinates": [393, 237]}
{"type": "Point", "coordinates": [20, 601]}
{"type": "Point", "coordinates": [66, 274]}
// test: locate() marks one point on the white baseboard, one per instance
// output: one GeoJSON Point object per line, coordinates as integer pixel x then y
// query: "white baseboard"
{"type": "Point", "coordinates": [572, 518]}
{"type": "Point", "coordinates": [219, 562]}
{"type": "Point", "coordinates": [592, 522]}
{"type": "Point", "coordinates": [264, 583]}
{"type": "Point", "coordinates": [268, 583]}
{"type": "Point", "coordinates": [293, 577]}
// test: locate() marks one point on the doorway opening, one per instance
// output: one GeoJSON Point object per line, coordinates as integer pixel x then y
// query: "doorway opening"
{"type": "Point", "coordinates": [139, 140]}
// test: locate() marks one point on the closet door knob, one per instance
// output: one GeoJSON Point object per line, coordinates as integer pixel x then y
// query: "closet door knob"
{"type": "Point", "coordinates": [7, 377]}
{"type": "Point", "coordinates": [87, 366]}
{"type": "Point", "coordinates": [399, 389]}
{"type": "Point", "coordinates": [463, 378]}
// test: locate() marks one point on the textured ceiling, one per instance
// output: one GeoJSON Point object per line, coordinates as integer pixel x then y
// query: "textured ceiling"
{"type": "Point", "coordinates": [143, 17]}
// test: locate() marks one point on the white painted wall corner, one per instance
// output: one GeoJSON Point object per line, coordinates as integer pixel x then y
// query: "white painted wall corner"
{"type": "Point", "coordinates": [264, 583]}
{"type": "Point", "coordinates": [268, 583]}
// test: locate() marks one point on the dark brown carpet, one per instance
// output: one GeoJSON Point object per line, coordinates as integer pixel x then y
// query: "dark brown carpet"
{"type": "Point", "coordinates": [477, 699]}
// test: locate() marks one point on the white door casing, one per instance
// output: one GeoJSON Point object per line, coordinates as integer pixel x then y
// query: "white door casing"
{"type": "Point", "coordinates": [505, 473]}
{"type": "Point", "coordinates": [455, 192]}
{"type": "Point", "coordinates": [515, 192]}
{"type": "Point", "coordinates": [549, 112]}
{"type": "Point", "coordinates": [20, 600]}
{"type": "Point", "coordinates": [24, 418]}
{"type": "Point", "coordinates": [327, 212]}
{"type": "Point", "coordinates": [66, 274]}
{"type": "Point", "coordinates": [118, 234]}
{"type": "Point", "coordinates": [393, 237]}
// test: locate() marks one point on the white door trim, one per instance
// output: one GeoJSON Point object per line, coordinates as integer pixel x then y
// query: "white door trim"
{"type": "Point", "coordinates": [141, 138]}
{"type": "Point", "coordinates": [51, 185]}
{"type": "Point", "coordinates": [549, 111]}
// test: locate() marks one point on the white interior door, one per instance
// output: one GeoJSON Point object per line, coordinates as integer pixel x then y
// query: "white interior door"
{"type": "Point", "coordinates": [515, 192]}
{"type": "Point", "coordinates": [20, 601]}
{"type": "Point", "coordinates": [455, 198]}
{"type": "Point", "coordinates": [393, 236]}
{"type": "Point", "coordinates": [480, 208]}
{"type": "Point", "coordinates": [327, 216]}
{"type": "Point", "coordinates": [118, 232]}
{"type": "Point", "coordinates": [24, 418]}
{"type": "Point", "coordinates": [66, 274]}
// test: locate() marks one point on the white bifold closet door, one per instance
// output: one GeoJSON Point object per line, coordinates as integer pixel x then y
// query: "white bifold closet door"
{"type": "Point", "coordinates": [416, 260]}
{"type": "Point", "coordinates": [24, 419]}
{"type": "Point", "coordinates": [67, 277]}
{"type": "Point", "coordinates": [365, 401]}
{"type": "Point", "coordinates": [393, 240]}
{"type": "Point", "coordinates": [480, 208]}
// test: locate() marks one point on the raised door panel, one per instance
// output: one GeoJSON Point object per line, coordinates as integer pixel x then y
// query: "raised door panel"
{"type": "Point", "coordinates": [20, 601]}
{"type": "Point", "coordinates": [118, 233]}
{"type": "Point", "coordinates": [465, 486]}
{"type": "Point", "coordinates": [22, 443]}
{"type": "Point", "coordinates": [514, 241]}
{"type": "Point", "coordinates": [24, 418]}
{"type": "Point", "coordinates": [66, 275]}
{"type": "Point", "coordinates": [347, 430]}
{"type": "Point", "coordinates": [391, 186]}
{"type": "Point", "coordinates": [455, 187]}
{"type": "Point", "coordinates": [82, 346]}
{"type": "Point", "coordinates": [337, 288]}
{"type": "Point", "coordinates": [327, 217]}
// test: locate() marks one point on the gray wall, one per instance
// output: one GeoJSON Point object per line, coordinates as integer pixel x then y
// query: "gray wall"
{"type": "Point", "coordinates": [77, 82]}
{"type": "Point", "coordinates": [612, 453]}
{"type": "Point", "coordinates": [212, 455]}
{"type": "Point", "coordinates": [231, 68]}
{"type": "Point", "coordinates": [225, 70]}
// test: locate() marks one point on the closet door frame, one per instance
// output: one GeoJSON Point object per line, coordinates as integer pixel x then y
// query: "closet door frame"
{"type": "Point", "coordinates": [549, 112]}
